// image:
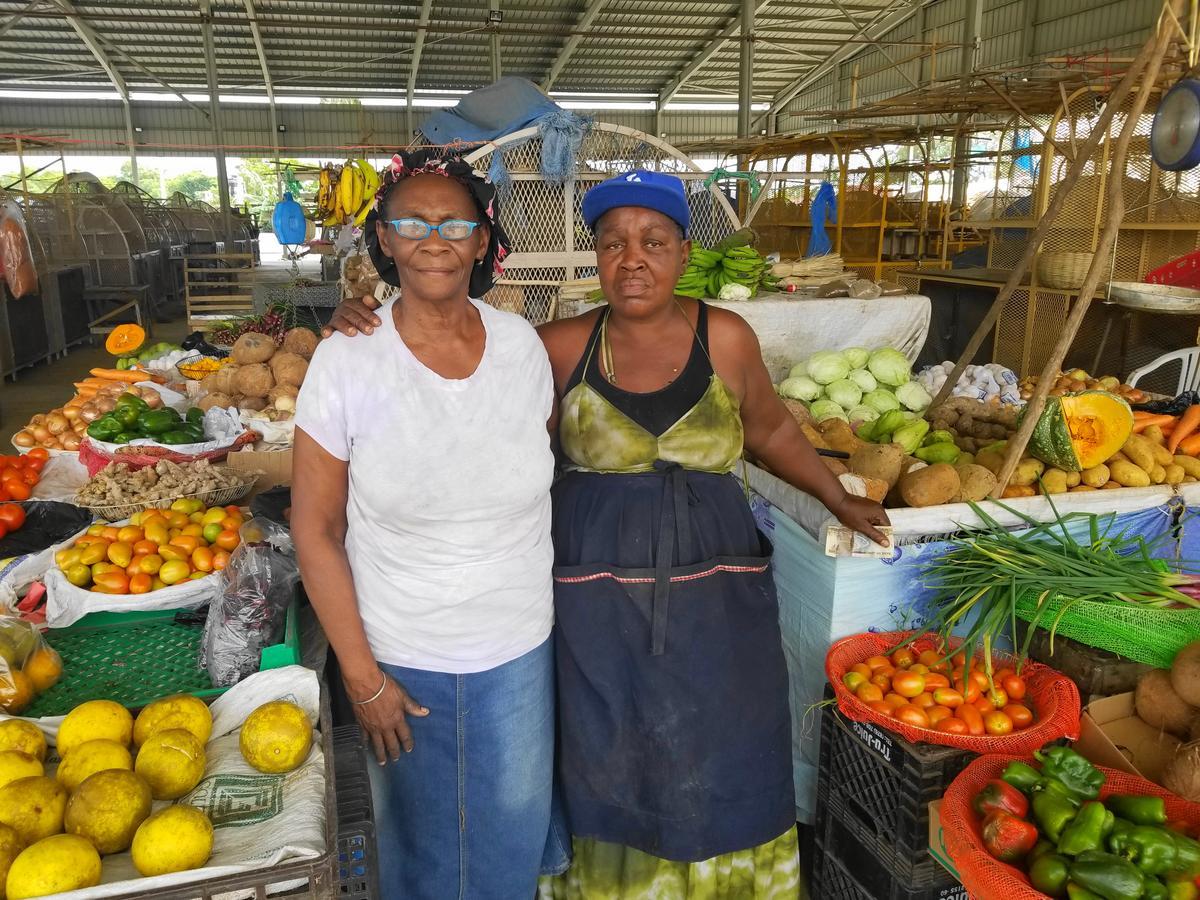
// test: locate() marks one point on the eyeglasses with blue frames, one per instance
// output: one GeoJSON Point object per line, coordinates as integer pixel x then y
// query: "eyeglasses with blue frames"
{"type": "Point", "coordinates": [419, 229]}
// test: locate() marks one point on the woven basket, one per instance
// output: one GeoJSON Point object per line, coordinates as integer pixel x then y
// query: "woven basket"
{"type": "Point", "coordinates": [219, 497]}
{"type": "Point", "coordinates": [1063, 270]}
{"type": "Point", "coordinates": [190, 369]}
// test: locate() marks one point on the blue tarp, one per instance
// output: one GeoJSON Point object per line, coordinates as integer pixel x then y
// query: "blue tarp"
{"type": "Point", "coordinates": [488, 113]}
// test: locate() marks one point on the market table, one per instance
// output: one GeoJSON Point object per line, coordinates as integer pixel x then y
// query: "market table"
{"type": "Point", "coordinates": [792, 328]}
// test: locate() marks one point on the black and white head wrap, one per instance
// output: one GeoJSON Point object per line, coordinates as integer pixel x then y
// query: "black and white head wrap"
{"type": "Point", "coordinates": [482, 191]}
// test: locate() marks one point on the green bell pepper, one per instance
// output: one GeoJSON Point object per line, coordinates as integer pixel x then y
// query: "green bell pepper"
{"type": "Point", "coordinates": [1086, 830]}
{"type": "Point", "coordinates": [1109, 876]}
{"type": "Point", "coordinates": [1155, 890]}
{"type": "Point", "coordinates": [1070, 769]}
{"type": "Point", "coordinates": [125, 437]}
{"type": "Point", "coordinates": [127, 415]}
{"type": "Point", "coordinates": [1075, 892]}
{"type": "Point", "coordinates": [1041, 848]}
{"type": "Point", "coordinates": [1052, 813]}
{"type": "Point", "coordinates": [1140, 810]}
{"type": "Point", "coordinates": [1056, 788]}
{"type": "Point", "coordinates": [195, 416]}
{"type": "Point", "coordinates": [173, 438]}
{"type": "Point", "coordinates": [104, 429]}
{"type": "Point", "coordinates": [132, 400]}
{"type": "Point", "coordinates": [1187, 856]}
{"type": "Point", "coordinates": [158, 421]}
{"type": "Point", "coordinates": [1050, 873]}
{"type": "Point", "coordinates": [1150, 849]}
{"type": "Point", "coordinates": [1022, 776]}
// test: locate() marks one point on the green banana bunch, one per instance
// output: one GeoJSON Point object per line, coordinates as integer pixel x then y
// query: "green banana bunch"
{"type": "Point", "coordinates": [731, 262]}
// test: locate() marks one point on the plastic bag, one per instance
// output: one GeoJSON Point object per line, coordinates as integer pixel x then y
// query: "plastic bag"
{"type": "Point", "coordinates": [28, 665]}
{"type": "Point", "coordinates": [1173, 407]}
{"type": "Point", "coordinates": [46, 524]}
{"type": "Point", "coordinates": [16, 256]}
{"type": "Point", "coordinates": [250, 610]}
{"type": "Point", "coordinates": [864, 289]}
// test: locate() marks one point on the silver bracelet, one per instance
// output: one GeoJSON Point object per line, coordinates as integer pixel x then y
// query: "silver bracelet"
{"type": "Point", "coordinates": [378, 694]}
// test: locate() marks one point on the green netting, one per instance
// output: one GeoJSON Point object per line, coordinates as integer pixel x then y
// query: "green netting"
{"type": "Point", "coordinates": [1150, 636]}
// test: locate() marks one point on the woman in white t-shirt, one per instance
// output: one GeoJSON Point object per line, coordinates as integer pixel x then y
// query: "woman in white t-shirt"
{"type": "Point", "coordinates": [421, 513]}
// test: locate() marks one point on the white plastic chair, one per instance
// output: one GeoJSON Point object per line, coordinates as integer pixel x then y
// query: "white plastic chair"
{"type": "Point", "coordinates": [1189, 369]}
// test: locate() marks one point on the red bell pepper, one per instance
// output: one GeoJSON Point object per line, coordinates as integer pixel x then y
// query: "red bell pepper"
{"type": "Point", "coordinates": [1007, 837]}
{"type": "Point", "coordinates": [1000, 795]}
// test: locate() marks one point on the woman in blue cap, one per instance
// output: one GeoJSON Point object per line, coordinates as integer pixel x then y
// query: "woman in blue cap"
{"type": "Point", "coordinates": [675, 735]}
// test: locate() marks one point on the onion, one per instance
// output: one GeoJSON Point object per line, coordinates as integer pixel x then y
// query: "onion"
{"type": "Point", "coordinates": [89, 412]}
{"type": "Point", "coordinates": [24, 439]}
{"type": "Point", "coordinates": [38, 419]}
{"type": "Point", "coordinates": [153, 399]}
{"type": "Point", "coordinates": [51, 443]}
{"type": "Point", "coordinates": [57, 423]}
{"type": "Point", "coordinates": [40, 433]}
{"type": "Point", "coordinates": [71, 442]}
{"type": "Point", "coordinates": [72, 413]}
{"type": "Point", "coordinates": [107, 405]}
{"type": "Point", "coordinates": [80, 427]}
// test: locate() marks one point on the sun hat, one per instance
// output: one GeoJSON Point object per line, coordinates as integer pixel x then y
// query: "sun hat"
{"type": "Point", "coordinates": [651, 190]}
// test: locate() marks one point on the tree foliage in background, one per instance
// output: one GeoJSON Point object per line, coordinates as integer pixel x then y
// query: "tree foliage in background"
{"type": "Point", "coordinates": [259, 183]}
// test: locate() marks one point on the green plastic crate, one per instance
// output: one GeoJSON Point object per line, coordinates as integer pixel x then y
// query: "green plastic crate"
{"type": "Point", "coordinates": [134, 658]}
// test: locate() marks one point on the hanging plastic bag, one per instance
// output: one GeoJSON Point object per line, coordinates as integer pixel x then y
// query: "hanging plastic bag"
{"type": "Point", "coordinates": [28, 665]}
{"type": "Point", "coordinates": [288, 221]}
{"type": "Point", "coordinates": [250, 610]}
{"type": "Point", "coordinates": [15, 252]}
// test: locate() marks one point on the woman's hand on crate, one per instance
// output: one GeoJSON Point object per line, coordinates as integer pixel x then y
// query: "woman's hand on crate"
{"type": "Point", "coordinates": [381, 713]}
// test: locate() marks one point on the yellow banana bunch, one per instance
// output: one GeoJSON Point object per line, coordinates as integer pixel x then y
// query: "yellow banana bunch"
{"type": "Point", "coordinates": [370, 185]}
{"type": "Point", "coordinates": [346, 193]}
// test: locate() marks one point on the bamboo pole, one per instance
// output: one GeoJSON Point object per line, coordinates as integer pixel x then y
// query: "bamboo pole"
{"type": "Point", "coordinates": [1108, 238]}
{"type": "Point", "coordinates": [1154, 47]}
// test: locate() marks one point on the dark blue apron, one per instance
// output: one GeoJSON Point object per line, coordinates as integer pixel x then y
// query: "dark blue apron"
{"type": "Point", "coordinates": [673, 707]}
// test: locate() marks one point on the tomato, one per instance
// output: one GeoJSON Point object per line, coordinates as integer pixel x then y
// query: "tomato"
{"type": "Point", "coordinates": [862, 668]}
{"type": "Point", "coordinates": [156, 532]}
{"type": "Point", "coordinates": [64, 559]}
{"type": "Point", "coordinates": [112, 582]}
{"type": "Point", "coordinates": [923, 700]}
{"type": "Point", "coordinates": [210, 532]}
{"type": "Point", "coordinates": [1015, 687]}
{"type": "Point", "coordinates": [34, 463]}
{"type": "Point", "coordinates": [18, 490]}
{"type": "Point", "coordinates": [959, 659]}
{"type": "Point", "coordinates": [1000, 674]}
{"type": "Point", "coordinates": [176, 519]}
{"type": "Point", "coordinates": [880, 707]}
{"type": "Point", "coordinates": [227, 540]}
{"type": "Point", "coordinates": [110, 533]}
{"type": "Point", "coordinates": [948, 697]}
{"type": "Point", "coordinates": [997, 723]}
{"type": "Point", "coordinates": [94, 553]}
{"type": "Point", "coordinates": [973, 718]}
{"type": "Point", "coordinates": [998, 697]}
{"type": "Point", "coordinates": [133, 569]}
{"type": "Point", "coordinates": [174, 571]}
{"type": "Point", "coordinates": [1022, 716]}
{"type": "Point", "coordinates": [981, 680]}
{"type": "Point", "coordinates": [953, 725]}
{"type": "Point", "coordinates": [984, 705]}
{"type": "Point", "coordinates": [12, 516]}
{"type": "Point", "coordinates": [202, 560]}
{"type": "Point", "coordinates": [233, 523]}
{"type": "Point", "coordinates": [919, 669]}
{"type": "Point", "coordinates": [902, 658]}
{"type": "Point", "coordinates": [196, 531]}
{"type": "Point", "coordinates": [186, 543]}
{"type": "Point", "coordinates": [853, 679]}
{"type": "Point", "coordinates": [935, 680]}
{"type": "Point", "coordinates": [101, 567]}
{"type": "Point", "coordinates": [881, 681]}
{"type": "Point", "coordinates": [150, 563]}
{"type": "Point", "coordinates": [170, 552]}
{"type": "Point", "coordinates": [908, 684]}
{"type": "Point", "coordinates": [214, 516]}
{"type": "Point", "coordinates": [130, 534]}
{"type": "Point", "coordinates": [930, 658]}
{"type": "Point", "coordinates": [937, 713]}
{"type": "Point", "coordinates": [912, 715]}
{"type": "Point", "coordinates": [874, 663]}
{"type": "Point", "coordinates": [220, 560]}
{"type": "Point", "coordinates": [144, 548]}
{"type": "Point", "coordinates": [868, 692]}
{"type": "Point", "coordinates": [120, 554]}
{"type": "Point", "coordinates": [969, 690]}
{"type": "Point", "coordinates": [140, 583]}
{"type": "Point", "coordinates": [30, 477]}
{"type": "Point", "coordinates": [4, 497]}
{"type": "Point", "coordinates": [38, 453]}
{"type": "Point", "coordinates": [79, 575]}
{"type": "Point", "coordinates": [895, 700]}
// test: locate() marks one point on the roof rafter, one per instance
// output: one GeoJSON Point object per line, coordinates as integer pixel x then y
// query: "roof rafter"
{"type": "Point", "coordinates": [92, 41]}
{"type": "Point", "coordinates": [590, 12]}
{"type": "Point", "coordinates": [414, 65]}
{"type": "Point", "coordinates": [697, 62]}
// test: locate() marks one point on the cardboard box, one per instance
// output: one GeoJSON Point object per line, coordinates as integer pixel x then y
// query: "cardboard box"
{"type": "Point", "coordinates": [1111, 734]}
{"type": "Point", "coordinates": [276, 466]}
{"type": "Point", "coordinates": [937, 843]}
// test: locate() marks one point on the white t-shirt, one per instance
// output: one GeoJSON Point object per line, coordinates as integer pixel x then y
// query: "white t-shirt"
{"type": "Point", "coordinates": [449, 493]}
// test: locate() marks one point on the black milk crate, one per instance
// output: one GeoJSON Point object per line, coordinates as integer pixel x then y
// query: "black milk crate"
{"type": "Point", "coordinates": [845, 869]}
{"type": "Point", "coordinates": [358, 876]}
{"type": "Point", "coordinates": [880, 785]}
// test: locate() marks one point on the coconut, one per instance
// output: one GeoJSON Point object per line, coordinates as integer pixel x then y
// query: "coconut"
{"type": "Point", "coordinates": [254, 380]}
{"type": "Point", "coordinates": [252, 348]}
{"type": "Point", "coordinates": [1159, 706]}
{"type": "Point", "coordinates": [1185, 674]}
{"type": "Point", "coordinates": [215, 399]}
{"type": "Point", "coordinates": [300, 341]}
{"type": "Point", "coordinates": [1182, 774]}
{"type": "Point", "coordinates": [254, 404]}
{"type": "Point", "coordinates": [288, 368]}
{"type": "Point", "coordinates": [222, 381]}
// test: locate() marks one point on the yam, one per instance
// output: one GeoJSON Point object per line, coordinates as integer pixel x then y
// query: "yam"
{"type": "Point", "coordinates": [930, 486]}
{"type": "Point", "coordinates": [798, 410]}
{"type": "Point", "coordinates": [1189, 464]}
{"type": "Point", "coordinates": [252, 348]}
{"type": "Point", "coordinates": [215, 399]}
{"type": "Point", "coordinates": [879, 461]}
{"type": "Point", "coordinates": [1185, 674]}
{"type": "Point", "coordinates": [862, 486]}
{"type": "Point", "coordinates": [1182, 774]}
{"type": "Point", "coordinates": [288, 368]}
{"type": "Point", "coordinates": [300, 341]}
{"type": "Point", "coordinates": [907, 464]}
{"type": "Point", "coordinates": [1159, 706]}
{"type": "Point", "coordinates": [254, 380]}
{"type": "Point", "coordinates": [1096, 476]}
{"type": "Point", "coordinates": [836, 466]}
{"type": "Point", "coordinates": [839, 436]}
{"type": "Point", "coordinates": [254, 404]}
{"type": "Point", "coordinates": [1174, 474]}
{"type": "Point", "coordinates": [1137, 449]}
{"type": "Point", "coordinates": [814, 437]}
{"type": "Point", "coordinates": [976, 483]}
{"type": "Point", "coordinates": [1126, 474]}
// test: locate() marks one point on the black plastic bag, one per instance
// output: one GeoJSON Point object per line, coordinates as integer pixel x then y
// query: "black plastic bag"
{"type": "Point", "coordinates": [1173, 407]}
{"type": "Point", "coordinates": [272, 505]}
{"type": "Point", "coordinates": [46, 523]}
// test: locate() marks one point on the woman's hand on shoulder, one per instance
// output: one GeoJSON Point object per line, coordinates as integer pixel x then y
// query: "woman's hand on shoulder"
{"type": "Point", "coordinates": [352, 316]}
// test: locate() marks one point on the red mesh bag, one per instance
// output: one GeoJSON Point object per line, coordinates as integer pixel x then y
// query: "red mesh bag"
{"type": "Point", "coordinates": [986, 878]}
{"type": "Point", "coordinates": [1052, 696]}
{"type": "Point", "coordinates": [94, 458]}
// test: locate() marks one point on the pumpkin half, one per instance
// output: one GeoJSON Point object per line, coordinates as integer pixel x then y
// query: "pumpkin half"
{"type": "Point", "coordinates": [1079, 431]}
{"type": "Point", "coordinates": [125, 340]}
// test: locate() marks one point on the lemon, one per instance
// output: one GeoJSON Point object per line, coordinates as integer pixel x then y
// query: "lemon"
{"type": "Point", "coordinates": [14, 764]}
{"type": "Point", "coordinates": [108, 808]}
{"type": "Point", "coordinates": [10, 848]}
{"type": "Point", "coordinates": [276, 737]}
{"type": "Point", "coordinates": [33, 807]}
{"type": "Point", "coordinates": [180, 711]}
{"type": "Point", "coordinates": [92, 720]}
{"type": "Point", "coordinates": [172, 762]}
{"type": "Point", "coordinates": [64, 862]}
{"type": "Point", "coordinates": [174, 839]}
{"type": "Point", "coordinates": [89, 758]}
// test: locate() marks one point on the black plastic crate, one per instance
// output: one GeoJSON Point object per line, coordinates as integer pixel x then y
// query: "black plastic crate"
{"type": "Point", "coordinates": [880, 786]}
{"type": "Point", "coordinates": [844, 869]}
{"type": "Point", "coordinates": [358, 876]}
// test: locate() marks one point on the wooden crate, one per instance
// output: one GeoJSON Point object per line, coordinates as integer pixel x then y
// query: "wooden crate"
{"type": "Point", "coordinates": [217, 287]}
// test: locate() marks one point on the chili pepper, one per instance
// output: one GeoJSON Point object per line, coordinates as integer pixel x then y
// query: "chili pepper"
{"type": "Point", "coordinates": [1179, 889]}
{"type": "Point", "coordinates": [1187, 856]}
{"type": "Point", "coordinates": [1074, 772]}
{"type": "Point", "coordinates": [1007, 837]}
{"type": "Point", "coordinates": [1052, 813]}
{"type": "Point", "coordinates": [1151, 849]}
{"type": "Point", "coordinates": [1049, 874]}
{"type": "Point", "coordinates": [997, 794]}
{"type": "Point", "coordinates": [1109, 876]}
{"type": "Point", "coordinates": [1086, 831]}
{"type": "Point", "coordinates": [1140, 810]}
{"type": "Point", "coordinates": [1022, 776]}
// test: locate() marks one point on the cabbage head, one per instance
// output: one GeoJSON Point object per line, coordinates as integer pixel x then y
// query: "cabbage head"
{"type": "Point", "coordinates": [856, 356]}
{"type": "Point", "coordinates": [826, 366]}
{"type": "Point", "coordinates": [889, 367]}
{"type": "Point", "coordinates": [881, 400]}
{"type": "Point", "coordinates": [863, 413]}
{"type": "Point", "coordinates": [827, 409]}
{"type": "Point", "coordinates": [800, 368]}
{"type": "Point", "coordinates": [799, 387]}
{"type": "Point", "coordinates": [913, 396]}
{"type": "Point", "coordinates": [844, 392]}
{"type": "Point", "coordinates": [864, 379]}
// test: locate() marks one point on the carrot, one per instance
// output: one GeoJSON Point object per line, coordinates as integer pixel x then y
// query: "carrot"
{"type": "Point", "coordinates": [130, 376]}
{"type": "Point", "coordinates": [1188, 423]}
{"type": "Point", "coordinates": [1140, 425]}
{"type": "Point", "coordinates": [1190, 446]}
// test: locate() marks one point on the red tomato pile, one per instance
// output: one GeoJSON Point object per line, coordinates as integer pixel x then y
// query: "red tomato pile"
{"type": "Point", "coordinates": [931, 691]}
{"type": "Point", "coordinates": [18, 477]}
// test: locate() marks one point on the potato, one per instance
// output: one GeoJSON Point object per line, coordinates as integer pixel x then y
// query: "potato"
{"type": "Point", "coordinates": [1185, 674]}
{"type": "Point", "coordinates": [1115, 485]}
{"type": "Point", "coordinates": [1158, 474]}
{"type": "Point", "coordinates": [930, 486]}
{"type": "Point", "coordinates": [839, 435]}
{"type": "Point", "coordinates": [1027, 472]}
{"type": "Point", "coordinates": [1117, 457]}
{"type": "Point", "coordinates": [1154, 433]}
{"type": "Point", "coordinates": [1137, 448]}
{"type": "Point", "coordinates": [1190, 479]}
{"type": "Point", "coordinates": [1189, 464]}
{"type": "Point", "coordinates": [880, 461]}
{"type": "Point", "coordinates": [1162, 456]}
{"type": "Point", "coordinates": [1081, 488]}
{"type": "Point", "coordinates": [1159, 706]}
{"type": "Point", "coordinates": [1174, 474]}
{"type": "Point", "coordinates": [991, 458]}
{"type": "Point", "coordinates": [976, 483]}
{"type": "Point", "coordinates": [1182, 774]}
{"type": "Point", "coordinates": [1126, 474]}
{"type": "Point", "coordinates": [252, 348]}
{"type": "Point", "coordinates": [1096, 476]}
{"type": "Point", "coordinates": [1073, 479]}
{"type": "Point", "coordinates": [1018, 490]}
{"type": "Point", "coordinates": [1054, 481]}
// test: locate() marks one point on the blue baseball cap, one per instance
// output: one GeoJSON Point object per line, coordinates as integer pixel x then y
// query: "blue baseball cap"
{"type": "Point", "coordinates": [651, 190]}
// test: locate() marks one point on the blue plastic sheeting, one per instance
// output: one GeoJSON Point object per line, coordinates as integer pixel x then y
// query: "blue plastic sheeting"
{"type": "Point", "coordinates": [822, 209]}
{"type": "Point", "coordinates": [1189, 539]}
{"type": "Point", "coordinates": [509, 105]}
{"type": "Point", "coordinates": [822, 599]}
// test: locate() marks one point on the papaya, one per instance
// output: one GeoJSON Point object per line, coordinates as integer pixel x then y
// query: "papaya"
{"type": "Point", "coordinates": [1081, 431]}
